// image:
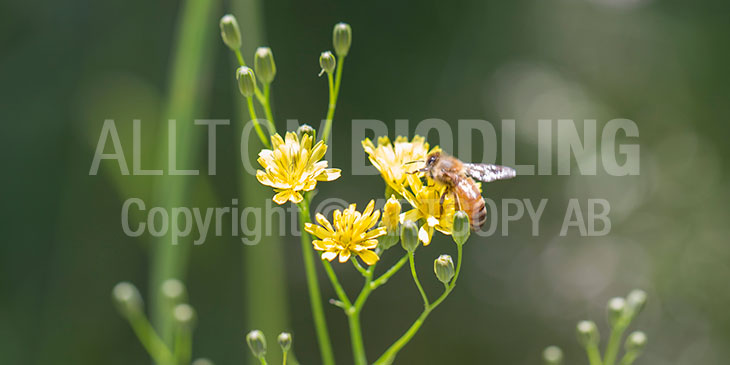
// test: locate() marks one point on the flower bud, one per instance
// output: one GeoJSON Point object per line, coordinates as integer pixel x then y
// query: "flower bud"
{"type": "Point", "coordinates": [202, 361]}
{"type": "Point", "coordinates": [230, 33]}
{"type": "Point", "coordinates": [409, 236]}
{"type": "Point", "coordinates": [263, 63]}
{"type": "Point", "coordinates": [184, 315]}
{"type": "Point", "coordinates": [636, 341]}
{"type": "Point", "coordinates": [391, 214]}
{"type": "Point", "coordinates": [127, 298]}
{"type": "Point", "coordinates": [587, 333]}
{"type": "Point", "coordinates": [635, 302]}
{"type": "Point", "coordinates": [174, 291]}
{"type": "Point", "coordinates": [246, 81]}
{"type": "Point", "coordinates": [284, 341]}
{"type": "Point", "coordinates": [552, 355]}
{"type": "Point", "coordinates": [306, 130]}
{"type": "Point", "coordinates": [461, 228]}
{"type": "Point", "coordinates": [443, 266]}
{"type": "Point", "coordinates": [257, 343]}
{"type": "Point", "coordinates": [615, 310]}
{"type": "Point", "coordinates": [342, 38]}
{"type": "Point", "coordinates": [327, 62]}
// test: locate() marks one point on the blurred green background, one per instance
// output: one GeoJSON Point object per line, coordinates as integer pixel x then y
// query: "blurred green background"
{"type": "Point", "coordinates": [67, 66]}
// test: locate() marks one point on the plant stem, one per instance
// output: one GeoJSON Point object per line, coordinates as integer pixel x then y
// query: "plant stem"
{"type": "Point", "coordinates": [183, 345]}
{"type": "Point", "coordinates": [267, 109]}
{"type": "Point", "coordinates": [255, 121]}
{"type": "Point", "coordinates": [358, 347]}
{"type": "Point", "coordinates": [389, 355]}
{"type": "Point", "coordinates": [336, 284]}
{"type": "Point", "coordinates": [334, 88]}
{"type": "Point", "coordinates": [594, 356]}
{"type": "Point", "coordinates": [385, 276]}
{"type": "Point", "coordinates": [614, 342]}
{"type": "Point", "coordinates": [411, 260]}
{"type": "Point", "coordinates": [359, 267]}
{"type": "Point", "coordinates": [629, 358]}
{"type": "Point", "coordinates": [315, 298]}
{"type": "Point", "coordinates": [156, 348]}
{"type": "Point", "coordinates": [284, 357]}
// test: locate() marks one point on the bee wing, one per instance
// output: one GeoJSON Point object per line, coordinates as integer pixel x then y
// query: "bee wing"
{"type": "Point", "coordinates": [488, 173]}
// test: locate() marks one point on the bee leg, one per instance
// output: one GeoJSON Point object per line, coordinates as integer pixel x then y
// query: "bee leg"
{"type": "Point", "coordinates": [441, 202]}
{"type": "Point", "coordinates": [456, 200]}
{"type": "Point", "coordinates": [417, 171]}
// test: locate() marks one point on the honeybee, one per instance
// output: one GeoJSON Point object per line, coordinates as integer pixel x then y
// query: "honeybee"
{"type": "Point", "coordinates": [457, 177]}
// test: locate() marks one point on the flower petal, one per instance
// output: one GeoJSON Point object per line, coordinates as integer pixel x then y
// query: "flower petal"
{"type": "Point", "coordinates": [369, 257]}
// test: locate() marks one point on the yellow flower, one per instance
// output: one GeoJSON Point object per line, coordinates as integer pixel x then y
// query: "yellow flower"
{"type": "Point", "coordinates": [349, 235]}
{"type": "Point", "coordinates": [293, 166]}
{"type": "Point", "coordinates": [391, 212]}
{"type": "Point", "coordinates": [392, 159]}
{"type": "Point", "coordinates": [427, 207]}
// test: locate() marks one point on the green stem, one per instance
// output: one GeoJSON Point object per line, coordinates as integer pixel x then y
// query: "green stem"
{"type": "Point", "coordinates": [629, 358]}
{"type": "Point", "coordinates": [284, 359]}
{"type": "Point", "coordinates": [411, 260]}
{"type": "Point", "coordinates": [150, 340]}
{"type": "Point", "coordinates": [358, 347]}
{"type": "Point", "coordinates": [254, 119]}
{"type": "Point", "coordinates": [389, 355]}
{"type": "Point", "coordinates": [267, 109]}
{"type": "Point", "coordinates": [385, 276]}
{"type": "Point", "coordinates": [183, 345]}
{"type": "Point", "coordinates": [336, 284]}
{"type": "Point", "coordinates": [315, 298]}
{"type": "Point", "coordinates": [359, 267]}
{"type": "Point", "coordinates": [239, 56]}
{"type": "Point", "coordinates": [334, 88]}
{"type": "Point", "coordinates": [594, 356]}
{"type": "Point", "coordinates": [262, 360]}
{"type": "Point", "coordinates": [614, 342]}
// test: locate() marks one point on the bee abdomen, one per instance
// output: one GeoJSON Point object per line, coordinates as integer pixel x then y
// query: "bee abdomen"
{"type": "Point", "coordinates": [478, 214]}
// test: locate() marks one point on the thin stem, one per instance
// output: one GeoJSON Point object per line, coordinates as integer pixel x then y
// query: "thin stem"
{"type": "Point", "coordinates": [629, 358]}
{"type": "Point", "coordinates": [614, 342]}
{"type": "Point", "coordinates": [239, 56]}
{"type": "Point", "coordinates": [389, 355]}
{"type": "Point", "coordinates": [262, 360]}
{"type": "Point", "coordinates": [284, 360]}
{"type": "Point", "coordinates": [358, 347]}
{"type": "Point", "coordinates": [359, 267]}
{"type": "Point", "coordinates": [336, 284]}
{"type": "Point", "coordinates": [150, 340]}
{"type": "Point", "coordinates": [385, 276]}
{"type": "Point", "coordinates": [594, 356]}
{"type": "Point", "coordinates": [183, 345]}
{"type": "Point", "coordinates": [256, 125]}
{"type": "Point", "coordinates": [267, 109]}
{"type": "Point", "coordinates": [315, 298]}
{"type": "Point", "coordinates": [334, 88]}
{"type": "Point", "coordinates": [411, 259]}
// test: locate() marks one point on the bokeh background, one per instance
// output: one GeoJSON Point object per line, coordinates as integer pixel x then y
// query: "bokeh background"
{"type": "Point", "coordinates": [67, 66]}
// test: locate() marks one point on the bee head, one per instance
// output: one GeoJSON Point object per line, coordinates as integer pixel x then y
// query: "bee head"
{"type": "Point", "coordinates": [432, 158]}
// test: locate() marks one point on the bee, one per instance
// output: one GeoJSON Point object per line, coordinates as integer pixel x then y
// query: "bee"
{"type": "Point", "coordinates": [457, 177]}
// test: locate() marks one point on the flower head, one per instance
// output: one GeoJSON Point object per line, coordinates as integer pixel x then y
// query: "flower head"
{"type": "Point", "coordinates": [428, 208]}
{"type": "Point", "coordinates": [393, 160]}
{"type": "Point", "coordinates": [349, 235]}
{"type": "Point", "coordinates": [293, 166]}
{"type": "Point", "coordinates": [391, 213]}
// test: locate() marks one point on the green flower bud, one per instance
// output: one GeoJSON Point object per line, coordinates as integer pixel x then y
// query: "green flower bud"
{"type": "Point", "coordinates": [246, 81]}
{"type": "Point", "coordinates": [635, 302]}
{"type": "Point", "coordinates": [552, 355]}
{"type": "Point", "coordinates": [587, 333]}
{"type": "Point", "coordinates": [461, 229]}
{"type": "Point", "coordinates": [306, 130]}
{"type": "Point", "coordinates": [202, 361]}
{"type": "Point", "coordinates": [443, 266]}
{"type": "Point", "coordinates": [230, 33]}
{"type": "Point", "coordinates": [284, 341]}
{"type": "Point", "coordinates": [174, 291]}
{"type": "Point", "coordinates": [327, 62]}
{"type": "Point", "coordinates": [615, 310]}
{"type": "Point", "coordinates": [127, 299]}
{"type": "Point", "coordinates": [636, 341]}
{"type": "Point", "coordinates": [184, 315]}
{"type": "Point", "coordinates": [257, 343]}
{"type": "Point", "coordinates": [409, 236]}
{"type": "Point", "coordinates": [342, 38]}
{"type": "Point", "coordinates": [263, 63]}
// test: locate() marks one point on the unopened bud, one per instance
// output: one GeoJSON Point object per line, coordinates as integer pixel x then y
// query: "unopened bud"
{"type": "Point", "coordinates": [636, 341]}
{"type": "Point", "coordinates": [552, 355]}
{"type": "Point", "coordinates": [443, 266]}
{"type": "Point", "coordinates": [284, 341]}
{"type": "Point", "coordinates": [587, 333]}
{"type": "Point", "coordinates": [127, 298]}
{"type": "Point", "coordinates": [263, 63]}
{"type": "Point", "coordinates": [635, 302]}
{"type": "Point", "coordinates": [391, 214]}
{"type": "Point", "coordinates": [615, 310]}
{"type": "Point", "coordinates": [184, 315]}
{"type": "Point", "coordinates": [409, 236]}
{"type": "Point", "coordinates": [342, 38]}
{"type": "Point", "coordinates": [461, 228]}
{"type": "Point", "coordinates": [174, 290]}
{"type": "Point", "coordinates": [327, 62]}
{"type": "Point", "coordinates": [306, 130]}
{"type": "Point", "coordinates": [246, 81]}
{"type": "Point", "coordinates": [230, 33]}
{"type": "Point", "coordinates": [257, 343]}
